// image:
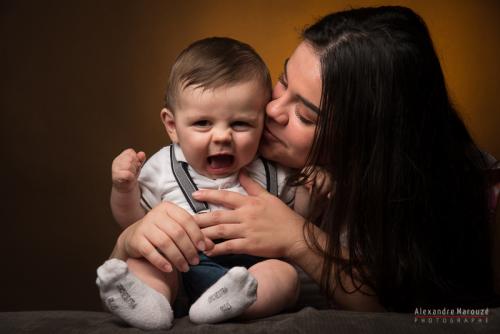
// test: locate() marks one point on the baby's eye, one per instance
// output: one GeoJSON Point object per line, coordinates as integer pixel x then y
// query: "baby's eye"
{"type": "Point", "coordinates": [201, 124]}
{"type": "Point", "coordinates": [240, 125]}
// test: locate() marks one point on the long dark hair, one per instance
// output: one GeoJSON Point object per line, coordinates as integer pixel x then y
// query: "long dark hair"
{"type": "Point", "coordinates": [409, 190]}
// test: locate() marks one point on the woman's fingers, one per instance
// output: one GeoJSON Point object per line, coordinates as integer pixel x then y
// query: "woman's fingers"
{"type": "Point", "coordinates": [181, 234]}
{"type": "Point", "coordinates": [228, 199]}
{"type": "Point", "coordinates": [210, 244]}
{"type": "Point", "coordinates": [215, 218]}
{"type": "Point", "coordinates": [167, 236]}
{"type": "Point", "coordinates": [187, 222]}
{"type": "Point", "coordinates": [251, 186]}
{"type": "Point", "coordinates": [149, 252]}
{"type": "Point", "coordinates": [223, 231]}
{"type": "Point", "coordinates": [166, 247]}
{"type": "Point", "coordinates": [234, 246]}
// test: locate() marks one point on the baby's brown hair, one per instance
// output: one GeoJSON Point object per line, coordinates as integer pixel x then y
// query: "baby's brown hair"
{"type": "Point", "coordinates": [214, 62]}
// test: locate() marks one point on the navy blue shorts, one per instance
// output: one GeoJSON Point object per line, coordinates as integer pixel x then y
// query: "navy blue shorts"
{"type": "Point", "coordinates": [202, 276]}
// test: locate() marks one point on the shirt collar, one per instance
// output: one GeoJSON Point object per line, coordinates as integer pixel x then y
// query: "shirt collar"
{"type": "Point", "coordinates": [179, 155]}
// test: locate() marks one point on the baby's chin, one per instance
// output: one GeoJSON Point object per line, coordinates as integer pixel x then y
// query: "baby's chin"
{"type": "Point", "coordinates": [215, 176]}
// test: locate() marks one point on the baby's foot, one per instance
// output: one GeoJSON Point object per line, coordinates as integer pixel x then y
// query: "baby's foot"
{"type": "Point", "coordinates": [132, 300]}
{"type": "Point", "coordinates": [229, 297]}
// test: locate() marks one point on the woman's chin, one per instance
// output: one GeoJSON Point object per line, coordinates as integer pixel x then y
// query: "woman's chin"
{"type": "Point", "coordinates": [266, 151]}
{"type": "Point", "coordinates": [281, 156]}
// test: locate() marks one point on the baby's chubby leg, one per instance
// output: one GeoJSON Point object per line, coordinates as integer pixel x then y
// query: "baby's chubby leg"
{"type": "Point", "coordinates": [140, 296]}
{"type": "Point", "coordinates": [278, 288]}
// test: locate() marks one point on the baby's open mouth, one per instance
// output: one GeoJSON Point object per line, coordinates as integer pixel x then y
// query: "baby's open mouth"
{"type": "Point", "coordinates": [220, 161]}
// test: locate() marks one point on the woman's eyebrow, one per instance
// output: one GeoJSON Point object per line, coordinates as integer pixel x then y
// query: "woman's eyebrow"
{"type": "Point", "coordinates": [306, 102]}
{"type": "Point", "coordinates": [309, 104]}
{"type": "Point", "coordinates": [284, 75]}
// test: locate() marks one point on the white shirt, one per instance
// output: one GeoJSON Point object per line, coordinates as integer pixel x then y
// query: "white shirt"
{"type": "Point", "coordinates": [158, 184]}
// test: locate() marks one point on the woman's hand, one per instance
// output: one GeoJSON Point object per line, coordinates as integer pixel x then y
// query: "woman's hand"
{"type": "Point", "coordinates": [167, 237]}
{"type": "Point", "coordinates": [260, 224]}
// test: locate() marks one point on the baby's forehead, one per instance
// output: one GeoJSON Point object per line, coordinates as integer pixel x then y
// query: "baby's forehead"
{"type": "Point", "coordinates": [228, 103]}
{"type": "Point", "coordinates": [247, 92]}
{"type": "Point", "coordinates": [254, 85]}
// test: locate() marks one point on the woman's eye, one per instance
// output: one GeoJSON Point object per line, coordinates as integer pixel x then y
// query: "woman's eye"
{"type": "Point", "coordinates": [201, 124]}
{"type": "Point", "coordinates": [304, 120]}
{"type": "Point", "coordinates": [239, 125]}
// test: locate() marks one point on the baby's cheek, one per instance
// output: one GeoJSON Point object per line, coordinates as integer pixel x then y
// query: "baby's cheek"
{"type": "Point", "coordinates": [249, 149]}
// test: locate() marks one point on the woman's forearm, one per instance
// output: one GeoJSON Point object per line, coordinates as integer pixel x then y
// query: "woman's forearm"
{"type": "Point", "coordinates": [300, 253]}
{"type": "Point", "coordinates": [311, 261]}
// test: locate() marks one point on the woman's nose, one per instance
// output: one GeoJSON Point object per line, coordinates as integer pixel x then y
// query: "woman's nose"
{"type": "Point", "coordinates": [276, 110]}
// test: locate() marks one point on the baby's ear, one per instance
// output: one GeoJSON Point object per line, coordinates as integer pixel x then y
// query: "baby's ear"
{"type": "Point", "coordinates": [168, 120]}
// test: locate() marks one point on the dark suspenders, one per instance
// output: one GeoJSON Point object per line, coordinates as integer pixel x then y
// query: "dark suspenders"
{"type": "Point", "coordinates": [187, 185]}
{"type": "Point", "coordinates": [271, 177]}
{"type": "Point", "coordinates": [185, 182]}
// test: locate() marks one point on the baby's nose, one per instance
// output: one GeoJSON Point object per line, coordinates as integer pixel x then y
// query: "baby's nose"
{"type": "Point", "coordinates": [222, 135]}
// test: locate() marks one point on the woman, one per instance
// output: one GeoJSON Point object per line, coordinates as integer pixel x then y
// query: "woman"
{"type": "Point", "coordinates": [406, 222]}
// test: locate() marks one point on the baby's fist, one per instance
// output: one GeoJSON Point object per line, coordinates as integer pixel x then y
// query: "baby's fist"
{"type": "Point", "coordinates": [125, 169]}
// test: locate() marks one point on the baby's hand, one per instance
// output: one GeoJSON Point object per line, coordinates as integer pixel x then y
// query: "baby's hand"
{"type": "Point", "coordinates": [125, 170]}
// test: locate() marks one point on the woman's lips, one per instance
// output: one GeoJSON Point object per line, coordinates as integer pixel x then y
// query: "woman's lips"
{"type": "Point", "coordinates": [268, 135]}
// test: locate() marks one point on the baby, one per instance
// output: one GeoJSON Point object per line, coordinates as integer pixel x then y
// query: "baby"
{"type": "Point", "coordinates": [214, 115]}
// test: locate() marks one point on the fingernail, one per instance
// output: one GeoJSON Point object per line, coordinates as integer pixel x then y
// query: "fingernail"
{"type": "Point", "coordinates": [167, 268]}
{"type": "Point", "coordinates": [197, 193]}
{"type": "Point", "coordinates": [185, 268]}
{"type": "Point", "coordinates": [195, 261]}
{"type": "Point", "coordinates": [201, 245]}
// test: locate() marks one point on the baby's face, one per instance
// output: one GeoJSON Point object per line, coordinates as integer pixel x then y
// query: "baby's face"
{"type": "Point", "coordinates": [219, 130]}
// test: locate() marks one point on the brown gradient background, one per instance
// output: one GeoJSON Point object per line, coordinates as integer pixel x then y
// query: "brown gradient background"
{"type": "Point", "coordinates": [82, 80]}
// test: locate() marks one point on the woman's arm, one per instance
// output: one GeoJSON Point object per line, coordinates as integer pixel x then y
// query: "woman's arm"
{"type": "Point", "coordinates": [261, 225]}
{"type": "Point", "coordinates": [312, 262]}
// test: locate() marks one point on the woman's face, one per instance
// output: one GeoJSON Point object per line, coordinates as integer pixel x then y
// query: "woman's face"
{"type": "Point", "coordinates": [293, 112]}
